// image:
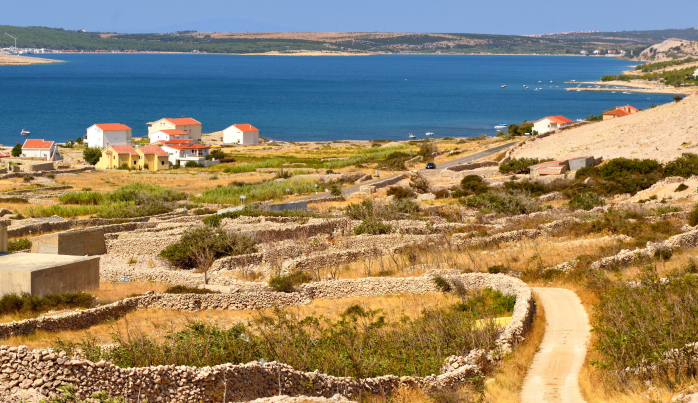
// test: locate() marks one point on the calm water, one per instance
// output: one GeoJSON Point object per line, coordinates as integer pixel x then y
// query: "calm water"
{"type": "Point", "coordinates": [302, 98]}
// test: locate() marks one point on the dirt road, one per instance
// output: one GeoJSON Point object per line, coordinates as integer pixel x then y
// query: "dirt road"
{"type": "Point", "coordinates": [553, 374]}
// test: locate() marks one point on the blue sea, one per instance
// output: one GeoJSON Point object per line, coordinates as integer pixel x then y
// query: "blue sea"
{"type": "Point", "coordinates": [302, 98]}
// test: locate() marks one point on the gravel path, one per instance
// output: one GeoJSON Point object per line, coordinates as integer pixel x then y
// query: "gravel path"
{"type": "Point", "coordinates": [553, 374]}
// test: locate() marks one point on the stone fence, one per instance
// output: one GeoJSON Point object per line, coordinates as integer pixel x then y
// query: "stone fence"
{"type": "Point", "coordinates": [472, 165]}
{"type": "Point", "coordinates": [45, 370]}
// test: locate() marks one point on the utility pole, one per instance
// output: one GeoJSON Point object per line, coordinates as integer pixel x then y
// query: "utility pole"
{"type": "Point", "coordinates": [15, 48]}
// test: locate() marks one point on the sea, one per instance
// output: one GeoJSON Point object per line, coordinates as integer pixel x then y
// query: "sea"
{"type": "Point", "coordinates": [303, 98]}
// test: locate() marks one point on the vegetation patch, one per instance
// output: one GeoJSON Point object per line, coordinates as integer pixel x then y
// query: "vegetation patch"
{"type": "Point", "coordinates": [520, 165]}
{"type": "Point", "coordinates": [288, 282]}
{"type": "Point", "coordinates": [502, 203]}
{"type": "Point", "coordinates": [33, 304]}
{"type": "Point", "coordinates": [17, 245]}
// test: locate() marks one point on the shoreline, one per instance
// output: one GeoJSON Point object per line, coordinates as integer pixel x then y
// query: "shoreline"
{"type": "Point", "coordinates": [15, 60]}
{"type": "Point", "coordinates": [633, 86]}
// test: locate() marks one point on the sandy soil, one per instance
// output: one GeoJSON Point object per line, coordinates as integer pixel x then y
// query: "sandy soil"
{"type": "Point", "coordinates": [553, 375]}
{"type": "Point", "coordinates": [662, 133]}
{"type": "Point", "coordinates": [12, 60]}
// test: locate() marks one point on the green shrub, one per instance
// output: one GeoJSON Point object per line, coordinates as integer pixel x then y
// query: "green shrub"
{"type": "Point", "coordinates": [488, 300]}
{"type": "Point", "coordinates": [427, 150]}
{"type": "Point", "coordinates": [18, 245]}
{"type": "Point", "coordinates": [681, 188]}
{"type": "Point", "coordinates": [442, 194]}
{"type": "Point", "coordinates": [520, 165]}
{"type": "Point", "coordinates": [216, 153]}
{"type": "Point", "coordinates": [288, 282]}
{"type": "Point", "coordinates": [685, 166]}
{"type": "Point", "coordinates": [693, 217]}
{"type": "Point", "coordinates": [212, 243]}
{"type": "Point", "coordinates": [472, 184]}
{"type": "Point", "coordinates": [586, 201]}
{"type": "Point", "coordinates": [396, 161]}
{"type": "Point", "coordinates": [81, 198]}
{"type": "Point", "coordinates": [499, 268]}
{"type": "Point", "coordinates": [397, 210]}
{"type": "Point", "coordinates": [372, 226]}
{"type": "Point", "coordinates": [183, 289]}
{"type": "Point", "coordinates": [622, 175]}
{"type": "Point", "coordinates": [253, 211]}
{"type": "Point", "coordinates": [399, 192]}
{"type": "Point", "coordinates": [507, 203]}
{"type": "Point", "coordinates": [269, 190]}
{"type": "Point", "coordinates": [28, 178]}
{"type": "Point", "coordinates": [193, 164]}
{"type": "Point", "coordinates": [16, 150]}
{"type": "Point", "coordinates": [31, 304]}
{"type": "Point", "coordinates": [534, 189]}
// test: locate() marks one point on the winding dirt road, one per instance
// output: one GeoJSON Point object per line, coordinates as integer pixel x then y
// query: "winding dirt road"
{"type": "Point", "coordinates": [554, 372]}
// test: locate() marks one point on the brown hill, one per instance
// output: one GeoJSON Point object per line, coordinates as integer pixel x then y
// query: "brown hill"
{"type": "Point", "coordinates": [662, 133]}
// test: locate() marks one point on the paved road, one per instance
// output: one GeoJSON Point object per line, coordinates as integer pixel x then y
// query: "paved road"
{"type": "Point", "coordinates": [462, 160]}
{"type": "Point", "coordinates": [553, 375]}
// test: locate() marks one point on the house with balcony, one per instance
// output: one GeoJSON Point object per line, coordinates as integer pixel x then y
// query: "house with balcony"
{"type": "Point", "coordinates": [188, 125]}
{"type": "Point", "coordinates": [169, 134]}
{"type": "Point", "coordinates": [180, 154]}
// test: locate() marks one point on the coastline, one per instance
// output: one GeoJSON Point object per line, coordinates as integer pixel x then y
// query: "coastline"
{"type": "Point", "coordinates": [640, 86]}
{"type": "Point", "coordinates": [14, 60]}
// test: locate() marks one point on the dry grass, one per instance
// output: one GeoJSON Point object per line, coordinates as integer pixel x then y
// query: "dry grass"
{"type": "Point", "coordinates": [158, 322]}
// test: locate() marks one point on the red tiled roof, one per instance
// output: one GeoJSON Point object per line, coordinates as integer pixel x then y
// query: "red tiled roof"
{"type": "Point", "coordinates": [559, 119]}
{"type": "Point", "coordinates": [112, 127]}
{"type": "Point", "coordinates": [153, 149]}
{"type": "Point", "coordinates": [617, 112]}
{"type": "Point", "coordinates": [2, 154]}
{"type": "Point", "coordinates": [124, 149]}
{"type": "Point", "coordinates": [37, 144]}
{"type": "Point", "coordinates": [188, 147]}
{"type": "Point", "coordinates": [246, 127]}
{"type": "Point", "coordinates": [175, 132]}
{"type": "Point", "coordinates": [175, 141]}
{"type": "Point", "coordinates": [183, 121]}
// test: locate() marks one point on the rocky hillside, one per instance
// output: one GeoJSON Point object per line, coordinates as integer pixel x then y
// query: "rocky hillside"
{"type": "Point", "coordinates": [662, 133]}
{"type": "Point", "coordinates": [670, 49]}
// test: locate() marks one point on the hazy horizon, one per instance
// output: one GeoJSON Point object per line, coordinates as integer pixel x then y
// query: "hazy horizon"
{"type": "Point", "coordinates": [506, 17]}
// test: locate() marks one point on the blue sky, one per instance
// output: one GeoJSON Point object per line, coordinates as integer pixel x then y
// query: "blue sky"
{"type": "Point", "coordinates": [470, 16]}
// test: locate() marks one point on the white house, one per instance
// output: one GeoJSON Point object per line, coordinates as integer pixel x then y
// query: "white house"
{"type": "Point", "coordinates": [551, 123]}
{"type": "Point", "coordinates": [169, 134]}
{"type": "Point", "coordinates": [180, 154]}
{"type": "Point", "coordinates": [241, 134]}
{"type": "Point", "coordinates": [103, 135]}
{"type": "Point", "coordinates": [34, 148]}
{"type": "Point", "coordinates": [188, 125]}
{"type": "Point", "coordinates": [584, 53]}
{"type": "Point", "coordinates": [695, 73]}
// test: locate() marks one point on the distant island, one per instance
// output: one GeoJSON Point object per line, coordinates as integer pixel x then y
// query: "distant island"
{"type": "Point", "coordinates": [627, 44]}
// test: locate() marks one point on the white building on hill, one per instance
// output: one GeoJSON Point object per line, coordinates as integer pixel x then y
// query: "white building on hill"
{"type": "Point", "coordinates": [241, 134]}
{"type": "Point", "coordinates": [35, 148]}
{"type": "Point", "coordinates": [187, 125]}
{"type": "Point", "coordinates": [551, 123]}
{"type": "Point", "coordinates": [167, 135]}
{"type": "Point", "coordinates": [103, 135]}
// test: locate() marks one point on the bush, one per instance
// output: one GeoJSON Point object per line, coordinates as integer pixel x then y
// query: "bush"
{"type": "Point", "coordinates": [216, 153]}
{"type": "Point", "coordinates": [396, 161]}
{"type": "Point", "coordinates": [397, 210]}
{"type": "Point", "coordinates": [81, 198]}
{"type": "Point", "coordinates": [534, 189]}
{"type": "Point", "coordinates": [28, 178]}
{"type": "Point", "coordinates": [288, 282]}
{"type": "Point", "coordinates": [91, 155]}
{"type": "Point", "coordinates": [685, 166]}
{"type": "Point", "coordinates": [472, 184]}
{"type": "Point", "coordinates": [18, 245]}
{"type": "Point", "coordinates": [193, 164]}
{"type": "Point", "coordinates": [586, 201]}
{"type": "Point", "coordinates": [623, 175]}
{"type": "Point", "coordinates": [253, 211]}
{"type": "Point", "coordinates": [198, 246]}
{"type": "Point", "coordinates": [427, 150]}
{"type": "Point", "coordinates": [16, 150]}
{"type": "Point", "coordinates": [499, 268]}
{"type": "Point", "coordinates": [520, 165]}
{"type": "Point", "coordinates": [31, 304]}
{"type": "Point", "coordinates": [681, 188]}
{"type": "Point", "coordinates": [693, 217]}
{"type": "Point", "coordinates": [372, 226]}
{"type": "Point", "coordinates": [442, 194]}
{"type": "Point", "coordinates": [183, 289]}
{"type": "Point", "coordinates": [508, 203]}
{"type": "Point", "coordinates": [399, 192]}
{"type": "Point", "coordinates": [419, 183]}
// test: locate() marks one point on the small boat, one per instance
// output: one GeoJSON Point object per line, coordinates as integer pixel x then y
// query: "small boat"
{"type": "Point", "coordinates": [429, 134]}
{"type": "Point", "coordinates": [501, 126]}
{"type": "Point", "coordinates": [25, 132]}
{"type": "Point", "coordinates": [504, 86]}
{"type": "Point", "coordinates": [412, 136]}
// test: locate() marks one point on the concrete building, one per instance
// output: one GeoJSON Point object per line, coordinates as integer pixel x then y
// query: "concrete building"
{"type": "Point", "coordinates": [166, 135]}
{"type": "Point", "coordinates": [114, 157]}
{"type": "Point", "coordinates": [77, 242]}
{"type": "Point", "coordinates": [188, 125]}
{"type": "Point", "coordinates": [41, 274]}
{"type": "Point", "coordinates": [152, 158]}
{"type": "Point", "coordinates": [241, 134]}
{"type": "Point", "coordinates": [619, 112]}
{"type": "Point", "coordinates": [180, 154]}
{"type": "Point", "coordinates": [551, 123]}
{"type": "Point", "coordinates": [47, 150]}
{"type": "Point", "coordinates": [106, 134]}
{"type": "Point", "coordinates": [584, 53]}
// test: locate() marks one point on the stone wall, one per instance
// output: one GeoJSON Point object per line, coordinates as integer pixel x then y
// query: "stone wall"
{"type": "Point", "coordinates": [45, 370]}
{"type": "Point", "coordinates": [473, 165]}
{"type": "Point", "coordinates": [72, 242]}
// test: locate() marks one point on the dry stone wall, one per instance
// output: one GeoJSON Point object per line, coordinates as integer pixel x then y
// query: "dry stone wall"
{"type": "Point", "coordinates": [45, 370]}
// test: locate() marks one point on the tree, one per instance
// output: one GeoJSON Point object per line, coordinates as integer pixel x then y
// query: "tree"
{"type": "Point", "coordinates": [427, 151]}
{"type": "Point", "coordinates": [78, 140]}
{"type": "Point", "coordinates": [17, 150]}
{"type": "Point", "coordinates": [678, 98]}
{"type": "Point", "coordinates": [92, 155]}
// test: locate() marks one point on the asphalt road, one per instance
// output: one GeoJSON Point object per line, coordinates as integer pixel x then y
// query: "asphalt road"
{"type": "Point", "coordinates": [554, 373]}
{"type": "Point", "coordinates": [461, 160]}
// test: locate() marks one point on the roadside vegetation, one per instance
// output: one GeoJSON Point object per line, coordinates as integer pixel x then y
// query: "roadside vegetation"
{"type": "Point", "coordinates": [30, 305]}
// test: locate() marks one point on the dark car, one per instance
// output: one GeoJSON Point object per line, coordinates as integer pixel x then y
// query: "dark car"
{"type": "Point", "coordinates": [431, 165]}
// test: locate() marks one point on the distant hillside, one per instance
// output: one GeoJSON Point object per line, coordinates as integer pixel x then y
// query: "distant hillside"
{"type": "Point", "coordinates": [56, 38]}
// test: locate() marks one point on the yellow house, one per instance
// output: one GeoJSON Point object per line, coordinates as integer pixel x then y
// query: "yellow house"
{"type": "Point", "coordinates": [153, 158]}
{"type": "Point", "coordinates": [190, 126]}
{"type": "Point", "coordinates": [114, 157]}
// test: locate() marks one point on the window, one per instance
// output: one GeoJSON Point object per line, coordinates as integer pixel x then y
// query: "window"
{"type": "Point", "coordinates": [162, 162]}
